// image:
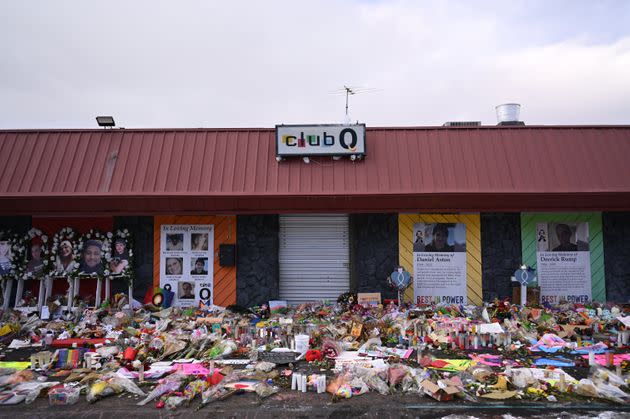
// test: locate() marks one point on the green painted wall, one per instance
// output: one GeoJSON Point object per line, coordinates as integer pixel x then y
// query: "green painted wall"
{"type": "Point", "coordinates": [596, 243]}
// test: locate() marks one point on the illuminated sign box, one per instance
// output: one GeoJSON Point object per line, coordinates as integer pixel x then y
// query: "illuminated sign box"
{"type": "Point", "coordinates": [320, 140]}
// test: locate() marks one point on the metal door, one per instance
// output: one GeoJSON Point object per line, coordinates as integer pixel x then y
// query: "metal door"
{"type": "Point", "coordinates": [314, 257]}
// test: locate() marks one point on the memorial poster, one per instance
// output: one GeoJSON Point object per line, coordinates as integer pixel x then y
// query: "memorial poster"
{"type": "Point", "coordinates": [439, 263]}
{"type": "Point", "coordinates": [563, 262]}
{"type": "Point", "coordinates": [187, 262]}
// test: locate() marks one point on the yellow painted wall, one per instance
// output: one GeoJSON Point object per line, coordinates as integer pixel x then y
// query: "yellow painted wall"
{"type": "Point", "coordinates": [473, 247]}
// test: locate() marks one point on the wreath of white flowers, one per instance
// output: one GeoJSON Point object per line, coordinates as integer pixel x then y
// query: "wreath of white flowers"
{"type": "Point", "coordinates": [69, 234]}
{"type": "Point", "coordinates": [48, 264]}
{"type": "Point", "coordinates": [18, 250]}
{"type": "Point", "coordinates": [105, 249]}
{"type": "Point", "coordinates": [126, 236]}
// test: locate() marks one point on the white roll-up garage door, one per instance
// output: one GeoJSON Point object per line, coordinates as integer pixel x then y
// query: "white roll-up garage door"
{"type": "Point", "coordinates": [314, 257]}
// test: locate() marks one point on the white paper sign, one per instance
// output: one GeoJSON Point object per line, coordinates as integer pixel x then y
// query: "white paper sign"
{"type": "Point", "coordinates": [625, 320]}
{"type": "Point", "coordinates": [187, 263]}
{"type": "Point", "coordinates": [484, 328]}
{"type": "Point", "coordinates": [45, 313]}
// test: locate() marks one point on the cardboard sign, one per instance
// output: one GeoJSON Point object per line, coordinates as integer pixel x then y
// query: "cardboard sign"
{"type": "Point", "coordinates": [357, 328]}
{"type": "Point", "coordinates": [369, 299]}
{"type": "Point", "coordinates": [276, 306]}
{"type": "Point", "coordinates": [211, 320]}
{"type": "Point", "coordinates": [442, 391]}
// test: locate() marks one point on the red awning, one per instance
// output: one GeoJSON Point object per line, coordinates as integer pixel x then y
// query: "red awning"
{"type": "Point", "coordinates": [529, 168]}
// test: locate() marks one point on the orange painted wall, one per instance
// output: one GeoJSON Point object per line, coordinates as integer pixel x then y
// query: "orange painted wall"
{"type": "Point", "coordinates": [224, 233]}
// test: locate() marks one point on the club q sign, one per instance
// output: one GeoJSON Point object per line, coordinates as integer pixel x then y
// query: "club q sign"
{"type": "Point", "coordinates": [320, 140]}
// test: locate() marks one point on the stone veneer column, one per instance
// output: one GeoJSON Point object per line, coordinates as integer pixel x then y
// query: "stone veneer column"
{"type": "Point", "coordinates": [500, 253]}
{"type": "Point", "coordinates": [616, 230]}
{"type": "Point", "coordinates": [374, 252]}
{"type": "Point", "coordinates": [257, 266]}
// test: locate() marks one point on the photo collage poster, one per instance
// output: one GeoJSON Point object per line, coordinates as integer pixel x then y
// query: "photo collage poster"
{"type": "Point", "coordinates": [439, 263]}
{"type": "Point", "coordinates": [187, 263]}
{"type": "Point", "coordinates": [563, 260]}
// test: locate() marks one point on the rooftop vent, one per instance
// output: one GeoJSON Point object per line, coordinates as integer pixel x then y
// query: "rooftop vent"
{"type": "Point", "coordinates": [509, 114]}
{"type": "Point", "coordinates": [462, 124]}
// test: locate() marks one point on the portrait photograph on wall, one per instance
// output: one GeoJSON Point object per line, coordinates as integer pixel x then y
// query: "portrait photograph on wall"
{"type": "Point", "coordinates": [174, 242]}
{"type": "Point", "coordinates": [439, 237]}
{"type": "Point", "coordinates": [186, 290]}
{"type": "Point", "coordinates": [65, 254]}
{"type": "Point", "coordinates": [174, 266]}
{"type": "Point", "coordinates": [562, 237]}
{"type": "Point", "coordinates": [120, 256]}
{"type": "Point", "coordinates": [199, 242]}
{"type": "Point", "coordinates": [6, 255]}
{"type": "Point", "coordinates": [91, 258]}
{"type": "Point", "coordinates": [64, 258]}
{"type": "Point", "coordinates": [35, 256]}
{"type": "Point", "coordinates": [199, 266]}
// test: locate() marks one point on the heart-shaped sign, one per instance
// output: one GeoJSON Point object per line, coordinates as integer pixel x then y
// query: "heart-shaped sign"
{"type": "Point", "coordinates": [400, 279]}
{"type": "Point", "coordinates": [525, 276]}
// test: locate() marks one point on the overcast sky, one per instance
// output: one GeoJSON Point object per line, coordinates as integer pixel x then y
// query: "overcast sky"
{"type": "Point", "coordinates": [157, 64]}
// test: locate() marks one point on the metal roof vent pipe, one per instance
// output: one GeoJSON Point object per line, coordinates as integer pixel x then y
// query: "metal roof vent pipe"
{"type": "Point", "coordinates": [509, 114]}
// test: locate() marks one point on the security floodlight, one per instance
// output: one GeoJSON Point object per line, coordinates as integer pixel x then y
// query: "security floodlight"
{"type": "Point", "coordinates": [306, 159]}
{"type": "Point", "coordinates": [105, 121]}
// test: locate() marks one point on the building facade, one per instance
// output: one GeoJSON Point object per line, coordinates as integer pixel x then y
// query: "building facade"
{"type": "Point", "coordinates": [296, 231]}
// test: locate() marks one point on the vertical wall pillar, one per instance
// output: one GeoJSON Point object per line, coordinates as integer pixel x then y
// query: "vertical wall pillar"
{"type": "Point", "coordinates": [500, 253]}
{"type": "Point", "coordinates": [374, 242]}
{"type": "Point", "coordinates": [257, 266]}
{"type": "Point", "coordinates": [616, 231]}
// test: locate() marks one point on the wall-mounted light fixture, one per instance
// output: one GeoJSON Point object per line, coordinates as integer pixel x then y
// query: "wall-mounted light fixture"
{"type": "Point", "coordinates": [105, 121]}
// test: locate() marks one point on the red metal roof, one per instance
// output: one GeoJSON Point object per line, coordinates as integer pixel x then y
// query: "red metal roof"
{"type": "Point", "coordinates": [531, 168]}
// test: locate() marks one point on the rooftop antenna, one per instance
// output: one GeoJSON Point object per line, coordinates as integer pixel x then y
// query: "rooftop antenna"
{"type": "Point", "coordinates": [352, 90]}
{"type": "Point", "coordinates": [349, 91]}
